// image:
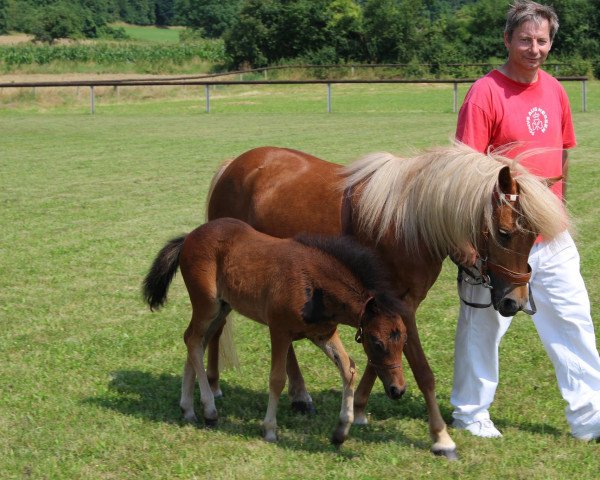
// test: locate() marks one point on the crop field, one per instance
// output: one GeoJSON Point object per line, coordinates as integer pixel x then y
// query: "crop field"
{"type": "Point", "coordinates": [91, 378]}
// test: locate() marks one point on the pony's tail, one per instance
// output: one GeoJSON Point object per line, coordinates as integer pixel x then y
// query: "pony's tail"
{"type": "Point", "coordinates": [228, 357]}
{"type": "Point", "coordinates": [213, 184]}
{"type": "Point", "coordinates": [163, 269]}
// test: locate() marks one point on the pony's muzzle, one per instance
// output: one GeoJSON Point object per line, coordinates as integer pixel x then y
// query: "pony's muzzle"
{"type": "Point", "coordinates": [395, 392]}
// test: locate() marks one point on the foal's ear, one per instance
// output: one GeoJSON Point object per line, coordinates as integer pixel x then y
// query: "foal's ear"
{"type": "Point", "coordinates": [551, 180]}
{"type": "Point", "coordinates": [313, 310]}
{"type": "Point", "coordinates": [369, 308]}
{"type": "Point", "coordinates": [506, 184]}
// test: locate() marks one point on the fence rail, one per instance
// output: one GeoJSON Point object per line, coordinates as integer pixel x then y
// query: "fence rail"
{"type": "Point", "coordinates": [208, 83]}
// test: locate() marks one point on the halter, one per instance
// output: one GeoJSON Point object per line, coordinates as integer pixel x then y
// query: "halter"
{"type": "Point", "coordinates": [377, 366]}
{"type": "Point", "coordinates": [478, 275]}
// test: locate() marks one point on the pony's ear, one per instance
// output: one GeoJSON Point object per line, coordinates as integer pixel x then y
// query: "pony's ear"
{"type": "Point", "coordinates": [313, 310]}
{"type": "Point", "coordinates": [551, 180]}
{"type": "Point", "coordinates": [369, 308]}
{"type": "Point", "coordinates": [505, 181]}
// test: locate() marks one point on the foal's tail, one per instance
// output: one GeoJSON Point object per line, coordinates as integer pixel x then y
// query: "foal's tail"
{"type": "Point", "coordinates": [214, 181]}
{"type": "Point", "coordinates": [157, 281]}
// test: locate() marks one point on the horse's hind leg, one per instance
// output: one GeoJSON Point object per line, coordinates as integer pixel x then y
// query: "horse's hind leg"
{"type": "Point", "coordinates": [299, 396]}
{"type": "Point", "coordinates": [194, 338]}
{"type": "Point", "coordinates": [212, 364]}
{"type": "Point", "coordinates": [334, 349]}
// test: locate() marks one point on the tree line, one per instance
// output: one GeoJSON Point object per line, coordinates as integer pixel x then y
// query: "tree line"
{"type": "Point", "coordinates": [258, 33]}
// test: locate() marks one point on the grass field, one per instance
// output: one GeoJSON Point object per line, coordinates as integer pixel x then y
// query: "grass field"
{"type": "Point", "coordinates": [90, 378]}
{"type": "Point", "coordinates": [151, 34]}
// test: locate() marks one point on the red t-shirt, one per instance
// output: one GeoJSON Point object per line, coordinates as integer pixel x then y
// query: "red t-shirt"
{"type": "Point", "coordinates": [498, 111]}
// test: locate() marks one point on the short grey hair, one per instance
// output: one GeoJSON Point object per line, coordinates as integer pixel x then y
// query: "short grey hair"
{"type": "Point", "coordinates": [526, 10]}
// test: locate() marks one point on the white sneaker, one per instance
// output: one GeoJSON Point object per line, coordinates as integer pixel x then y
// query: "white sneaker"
{"type": "Point", "coordinates": [479, 428]}
{"type": "Point", "coordinates": [590, 437]}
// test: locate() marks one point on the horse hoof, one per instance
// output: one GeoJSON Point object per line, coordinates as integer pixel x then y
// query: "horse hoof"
{"type": "Point", "coordinates": [210, 422]}
{"type": "Point", "coordinates": [360, 419]}
{"type": "Point", "coordinates": [338, 438]}
{"type": "Point", "coordinates": [305, 408]}
{"type": "Point", "coordinates": [189, 417]}
{"type": "Point", "coordinates": [449, 453]}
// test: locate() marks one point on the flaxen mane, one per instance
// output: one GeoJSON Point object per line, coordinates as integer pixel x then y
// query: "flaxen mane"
{"type": "Point", "coordinates": [443, 197]}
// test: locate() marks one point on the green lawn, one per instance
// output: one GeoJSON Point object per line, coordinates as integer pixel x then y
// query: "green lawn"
{"type": "Point", "coordinates": [90, 377]}
{"type": "Point", "coordinates": [151, 33]}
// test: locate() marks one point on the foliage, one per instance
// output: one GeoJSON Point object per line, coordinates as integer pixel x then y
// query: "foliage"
{"type": "Point", "coordinates": [104, 53]}
{"type": "Point", "coordinates": [212, 17]}
{"type": "Point", "coordinates": [3, 22]}
{"type": "Point", "coordinates": [60, 20]}
{"type": "Point", "coordinates": [272, 30]}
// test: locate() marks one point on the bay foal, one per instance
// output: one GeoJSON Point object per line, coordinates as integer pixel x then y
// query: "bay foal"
{"type": "Point", "coordinates": [299, 288]}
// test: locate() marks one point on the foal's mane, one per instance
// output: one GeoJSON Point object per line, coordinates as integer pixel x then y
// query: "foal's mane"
{"type": "Point", "coordinates": [443, 197]}
{"type": "Point", "coordinates": [362, 262]}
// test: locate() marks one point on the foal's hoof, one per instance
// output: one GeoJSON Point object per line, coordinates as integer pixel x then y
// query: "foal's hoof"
{"type": "Point", "coordinates": [210, 422]}
{"type": "Point", "coordinates": [449, 453]}
{"type": "Point", "coordinates": [305, 408]}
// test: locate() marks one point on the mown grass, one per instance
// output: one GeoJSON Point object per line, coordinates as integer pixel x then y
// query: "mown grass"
{"type": "Point", "coordinates": [90, 377]}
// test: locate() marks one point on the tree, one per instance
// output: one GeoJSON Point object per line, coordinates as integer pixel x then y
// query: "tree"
{"type": "Point", "coordinates": [213, 17]}
{"type": "Point", "coordinates": [395, 29]}
{"type": "Point", "coordinates": [59, 20]}
{"type": "Point", "coordinates": [3, 24]}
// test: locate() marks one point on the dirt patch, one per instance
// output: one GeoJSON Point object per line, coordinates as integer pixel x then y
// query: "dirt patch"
{"type": "Point", "coordinates": [13, 39]}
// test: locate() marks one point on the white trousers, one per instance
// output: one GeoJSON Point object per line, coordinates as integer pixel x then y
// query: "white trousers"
{"type": "Point", "coordinates": [564, 324]}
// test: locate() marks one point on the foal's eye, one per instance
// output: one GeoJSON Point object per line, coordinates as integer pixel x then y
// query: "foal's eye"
{"type": "Point", "coordinates": [377, 344]}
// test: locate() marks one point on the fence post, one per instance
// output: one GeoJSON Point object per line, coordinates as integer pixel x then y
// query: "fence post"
{"type": "Point", "coordinates": [455, 104]}
{"type": "Point", "coordinates": [207, 90]}
{"type": "Point", "coordinates": [92, 106]}
{"type": "Point", "coordinates": [583, 96]}
{"type": "Point", "coordinates": [328, 97]}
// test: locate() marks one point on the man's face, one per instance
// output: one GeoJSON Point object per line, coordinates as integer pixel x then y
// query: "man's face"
{"type": "Point", "coordinates": [529, 46]}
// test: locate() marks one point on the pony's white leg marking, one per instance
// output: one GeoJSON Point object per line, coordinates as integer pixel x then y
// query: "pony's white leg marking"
{"type": "Point", "coordinates": [187, 392]}
{"type": "Point", "coordinates": [279, 349]}
{"type": "Point", "coordinates": [196, 357]}
{"type": "Point", "coordinates": [334, 349]}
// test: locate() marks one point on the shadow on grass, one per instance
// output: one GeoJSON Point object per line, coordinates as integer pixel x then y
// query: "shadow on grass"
{"type": "Point", "coordinates": [156, 398]}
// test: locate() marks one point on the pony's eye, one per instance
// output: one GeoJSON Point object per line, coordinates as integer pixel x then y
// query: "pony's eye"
{"type": "Point", "coordinates": [504, 234]}
{"type": "Point", "coordinates": [377, 344]}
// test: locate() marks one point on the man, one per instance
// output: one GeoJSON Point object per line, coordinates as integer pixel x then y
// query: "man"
{"type": "Point", "coordinates": [522, 106]}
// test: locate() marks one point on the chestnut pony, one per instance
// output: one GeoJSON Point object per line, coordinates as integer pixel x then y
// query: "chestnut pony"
{"type": "Point", "coordinates": [414, 211]}
{"type": "Point", "coordinates": [299, 288]}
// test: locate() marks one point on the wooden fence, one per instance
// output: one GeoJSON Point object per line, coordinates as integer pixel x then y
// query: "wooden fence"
{"type": "Point", "coordinates": [204, 81]}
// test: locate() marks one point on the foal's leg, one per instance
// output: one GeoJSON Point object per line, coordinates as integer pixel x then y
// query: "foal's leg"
{"type": "Point", "coordinates": [299, 396]}
{"type": "Point", "coordinates": [334, 349]}
{"type": "Point", "coordinates": [442, 443]}
{"type": "Point", "coordinates": [280, 343]}
{"type": "Point", "coordinates": [212, 363]}
{"type": "Point", "coordinates": [362, 395]}
{"type": "Point", "coordinates": [194, 340]}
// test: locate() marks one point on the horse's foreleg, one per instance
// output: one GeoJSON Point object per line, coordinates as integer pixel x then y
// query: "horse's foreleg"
{"type": "Point", "coordinates": [442, 443]}
{"type": "Point", "coordinates": [279, 348]}
{"type": "Point", "coordinates": [362, 395]}
{"type": "Point", "coordinates": [299, 396]}
{"type": "Point", "coordinates": [334, 349]}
